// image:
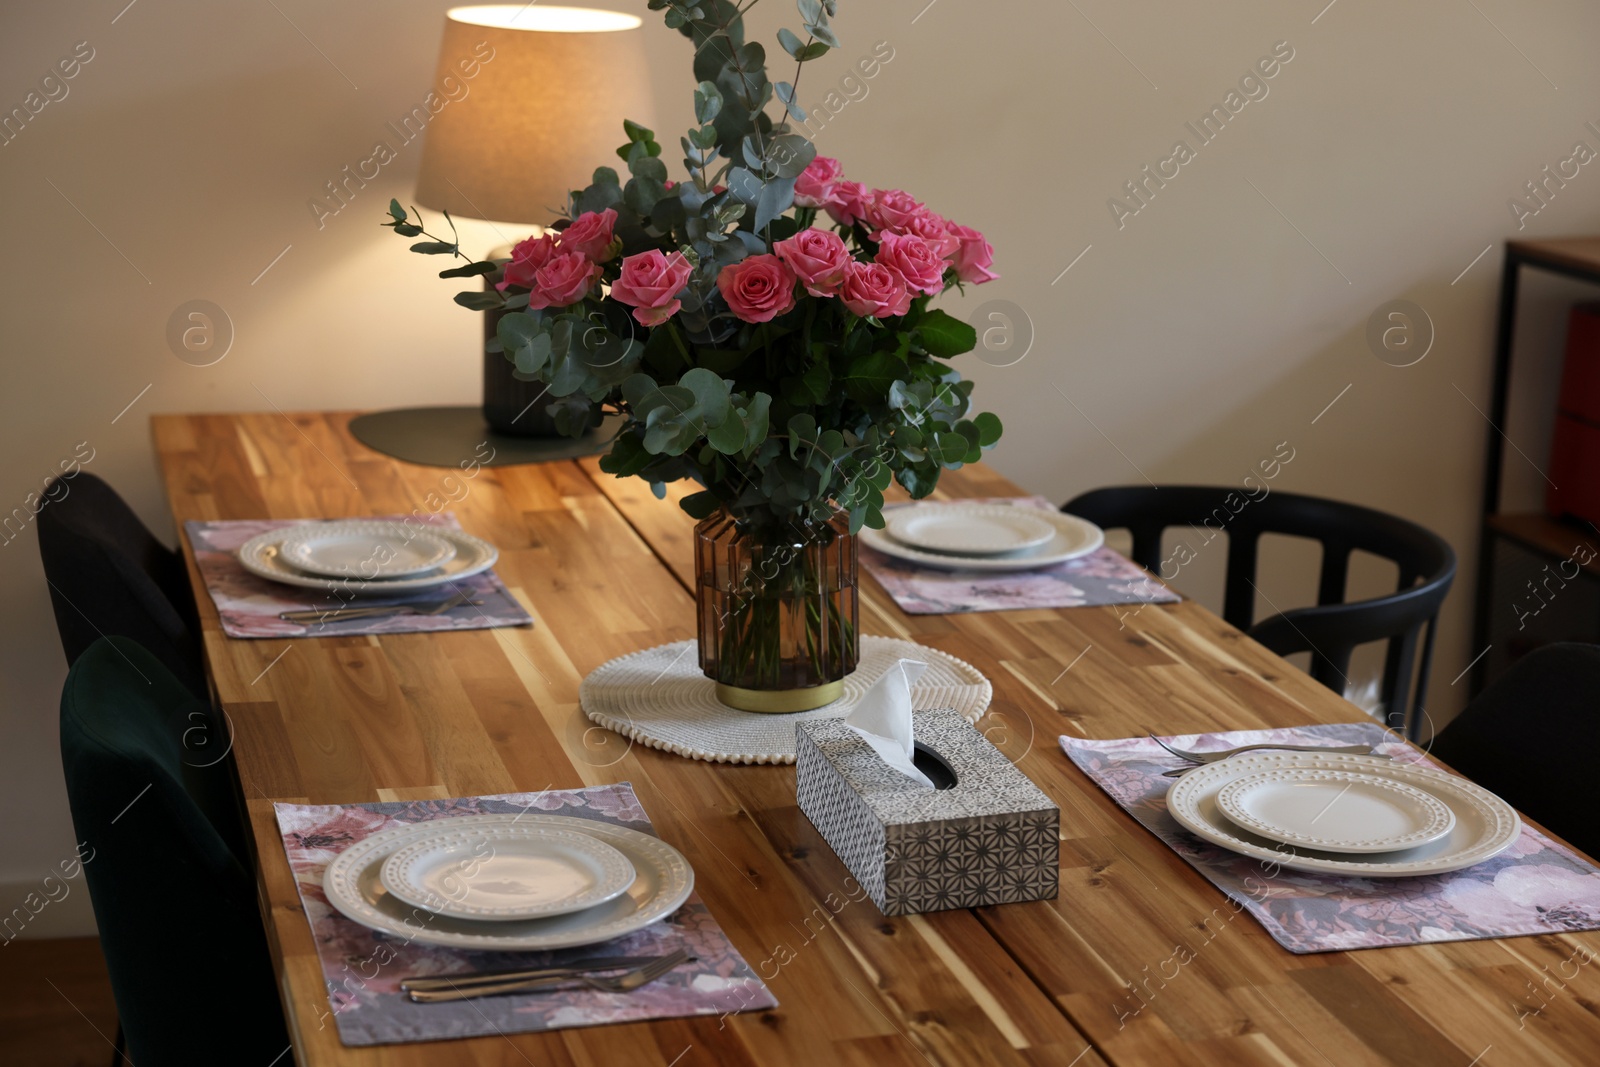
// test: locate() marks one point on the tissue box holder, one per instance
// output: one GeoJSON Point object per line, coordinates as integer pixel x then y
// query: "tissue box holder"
{"type": "Point", "coordinates": [993, 838]}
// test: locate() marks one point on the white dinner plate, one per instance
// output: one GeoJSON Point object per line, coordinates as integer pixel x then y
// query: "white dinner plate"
{"type": "Point", "coordinates": [1484, 827]}
{"type": "Point", "coordinates": [664, 881]}
{"type": "Point", "coordinates": [968, 529]}
{"type": "Point", "coordinates": [506, 872]}
{"type": "Point", "coordinates": [1073, 537]}
{"type": "Point", "coordinates": [1335, 811]}
{"type": "Point", "coordinates": [260, 556]}
{"type": "Point", "coordinates": [364, 549]}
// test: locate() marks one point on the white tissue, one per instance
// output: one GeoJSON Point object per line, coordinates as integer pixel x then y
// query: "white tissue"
{"type": "Point", "coordinates": [883, 718]}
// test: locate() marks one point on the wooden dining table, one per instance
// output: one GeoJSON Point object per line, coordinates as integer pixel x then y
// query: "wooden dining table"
{"type": "Point", "coordinates": [604, 568]}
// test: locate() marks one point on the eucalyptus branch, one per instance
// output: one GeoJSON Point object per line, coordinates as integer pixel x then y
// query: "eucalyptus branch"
{"type": "Point", "coordinates": [455, 237]}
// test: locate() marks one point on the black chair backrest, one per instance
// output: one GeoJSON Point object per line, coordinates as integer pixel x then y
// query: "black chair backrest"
{"type": "Point", "coordinates": [1531, 737]}
{"type": "Point", "coordinates": [179, 921]}
{"type": "Point", "coordinates": [109, 577]}
{"type": "Point", "coordinates": [1333, 629]}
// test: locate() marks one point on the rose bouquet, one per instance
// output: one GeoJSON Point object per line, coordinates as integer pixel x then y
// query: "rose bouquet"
{"type": "Point", "coordinates": [763, 324]}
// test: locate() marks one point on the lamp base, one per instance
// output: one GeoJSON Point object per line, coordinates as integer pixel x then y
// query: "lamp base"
{"type": "Point", "coordinates": [458, 437]}
{"type": "Point", "coordinates": [513, 407]}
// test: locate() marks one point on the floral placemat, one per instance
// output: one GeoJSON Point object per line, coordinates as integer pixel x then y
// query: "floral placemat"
{"type": "Point", "coordinates": [1537, 886]}
{"type": "Point", "coordinates": [1102, 577]}
{"type": "Point", "coordinates": [249, 606]}
{"type": "Point", "coordinates": [363, 967]}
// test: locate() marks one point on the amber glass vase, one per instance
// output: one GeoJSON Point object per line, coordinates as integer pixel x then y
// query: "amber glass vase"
{"type": "Point", "coordinates": [777, 611]}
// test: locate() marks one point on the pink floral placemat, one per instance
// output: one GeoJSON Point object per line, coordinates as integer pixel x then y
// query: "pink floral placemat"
{"type": "Point", "coordinates": [1102, 577]}
{"type": "Point", "coordinates": [1535, 887]}
{"type": "Point", "coordinates": [363, 967]}
{"type": "Point", "coordinates": [249, 606]}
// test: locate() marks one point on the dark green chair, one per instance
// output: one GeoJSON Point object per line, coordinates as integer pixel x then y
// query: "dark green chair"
{"type": "Point", "coordinates": [176, 905]}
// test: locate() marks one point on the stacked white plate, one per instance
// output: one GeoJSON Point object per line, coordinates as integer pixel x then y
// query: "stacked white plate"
{"type": "Point", "coordinates": [1343, 814]}
{"type": "Point", "coordinates": [370, 557]}
{"type": "Point", "coordinates": [509, 882]}
{"type": "Point", "coordinates": [983, 537]}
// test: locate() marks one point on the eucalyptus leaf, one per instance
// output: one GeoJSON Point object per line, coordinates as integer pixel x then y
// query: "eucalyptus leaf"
{"type": "Point", "coordinates": [710, 397]}
{"type": "Point", "coordinates": [471, 270]}
{"type": "Point", "coordinates": [707, 102]}
{"type": "Point", "coordinates": [478, 300]}
{"type": "Point", "coordinates": [777, 196]}
{"type": "Point", "coordinates": [785, 92]}
{"type": "Point", "coordinates": [791, 44]}
{"type": "Point", "coordinates": [989, 428]}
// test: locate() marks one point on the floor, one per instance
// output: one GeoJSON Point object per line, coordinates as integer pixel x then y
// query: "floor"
{"type": "Point", "coordinates": [55, 1004]}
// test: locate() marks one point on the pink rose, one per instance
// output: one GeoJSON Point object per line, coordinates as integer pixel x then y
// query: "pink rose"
{"type": "Point", "coordinates": [933, 229]}
{"type": "Point", "coordinates": [565, 280]}
{"type": "Point", "coordinates": [526, 258]}
{"type": "Point", "coordinates": [974, 257]}
{"type": "Point", "coordinates": [847, 203]}
{"type": "Point", "coordinates": [890, 210]}
{"type": "Point", "coordinates": [814, 187]}
{"type": "Point", "coordinates": [912, 259]}
{"type": "Point", "coordinates": [650, 284]}
{"type": "Point", "coordinates": [590, 233]}
{"type": "Point", "coordinates": [818, 258]}
{"type": "Point", "coordinates": [873, 289]}
{"type": "Point", "coordinates": [757, 289]}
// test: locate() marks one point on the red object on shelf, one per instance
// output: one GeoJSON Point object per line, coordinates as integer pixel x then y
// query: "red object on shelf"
{"type": "Point", "coordinates": [1575, 449]}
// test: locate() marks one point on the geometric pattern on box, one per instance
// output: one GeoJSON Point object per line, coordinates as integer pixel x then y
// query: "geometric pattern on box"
{"type": "Point", "coordinates": [992, 838]}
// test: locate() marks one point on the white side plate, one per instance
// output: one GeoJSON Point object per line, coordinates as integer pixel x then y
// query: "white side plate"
{"type": "Point", "coordinates": [509, 872]}
{"type": "Point", "coordinates": [1335, 811]}
{"type": "Point", "coordinates": [664, 882]}
{"type": "Point", "coordinates": [1073, 537]}
{"type": "Point", "coordinates": [1485, 825]}
{"type": "Point", "coordinates": [260, 556]}
{"type": "Point", "coordinates": [364, 550]}
{"type": "Point", "coordinates": [969, 529]}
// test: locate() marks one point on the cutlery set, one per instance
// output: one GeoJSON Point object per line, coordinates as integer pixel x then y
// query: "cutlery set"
{"type": "Point", "coordinates": [636, 972]}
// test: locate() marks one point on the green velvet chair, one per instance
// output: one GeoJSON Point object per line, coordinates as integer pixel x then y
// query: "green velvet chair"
{"type": "Point", "coordinates": [176, 906]}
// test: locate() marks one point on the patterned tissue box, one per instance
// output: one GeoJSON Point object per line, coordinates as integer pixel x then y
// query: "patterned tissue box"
{"type": "Point", "coordinates": [992, 838]}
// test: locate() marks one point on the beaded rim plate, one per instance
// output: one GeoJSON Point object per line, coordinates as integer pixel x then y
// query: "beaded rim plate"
{"type": "Point", "coordinates": [664, 882]}
{"type": "Point", "coordinates": [1485, 825]}
{"type": "Point", "coordinates": [364, 549]}
{"type": "Point", "coordinates": [969, 529]}
{"type": "Point", "coordinates": [509, 872]}
{"type": "Point", "coordinates": [260, 556]}
{"type": "Point", "coordinates": [1074, 537]}
{"type": "Point", "coordinates": [1335, 811]}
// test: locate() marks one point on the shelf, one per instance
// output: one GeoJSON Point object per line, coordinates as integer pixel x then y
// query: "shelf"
{"type": "Point", "coordinates": [1579, 256]}
{"type": "Point", "coordinates": [1554, 538]}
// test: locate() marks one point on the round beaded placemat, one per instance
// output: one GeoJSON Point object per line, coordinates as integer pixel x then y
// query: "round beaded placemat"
{"type": "Point", "coordinates": [659, 698]}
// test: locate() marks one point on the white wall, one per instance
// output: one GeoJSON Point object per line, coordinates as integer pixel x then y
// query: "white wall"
{"type": "Point", "coordinates": [1196, 337]}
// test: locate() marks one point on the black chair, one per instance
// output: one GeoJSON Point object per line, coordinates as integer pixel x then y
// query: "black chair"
{"type": "Point", "coordinates": [179, 922]}
{"type": "Point", "coordinates": [109, 576]}
{"type": "Point", "coordinates": [1531, 737]}
{"type": "Point", "coordinates": [1333, 629]}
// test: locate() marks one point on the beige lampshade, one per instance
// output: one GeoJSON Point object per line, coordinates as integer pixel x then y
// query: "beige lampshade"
{"type": "Point", "coordinates": [542, 109]}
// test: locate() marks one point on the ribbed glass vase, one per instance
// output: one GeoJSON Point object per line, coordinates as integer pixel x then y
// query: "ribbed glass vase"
{"type": "Point", "coordinates": [778, 611]}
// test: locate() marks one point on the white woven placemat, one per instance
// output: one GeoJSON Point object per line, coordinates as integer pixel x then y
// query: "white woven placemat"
{"type": "Point", "coordinates": [659, 698]}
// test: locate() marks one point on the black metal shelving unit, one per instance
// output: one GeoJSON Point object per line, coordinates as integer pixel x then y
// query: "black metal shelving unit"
{"type": "Point", "coordinates": [1535, 532]}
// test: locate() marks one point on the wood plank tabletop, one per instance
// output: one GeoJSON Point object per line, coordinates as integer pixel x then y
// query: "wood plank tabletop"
{"type": "Point", "coordinates": [1087, 979]}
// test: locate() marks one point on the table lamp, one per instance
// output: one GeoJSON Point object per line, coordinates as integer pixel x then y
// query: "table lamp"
{"type": "Point", "coordinates": [535, 98]}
